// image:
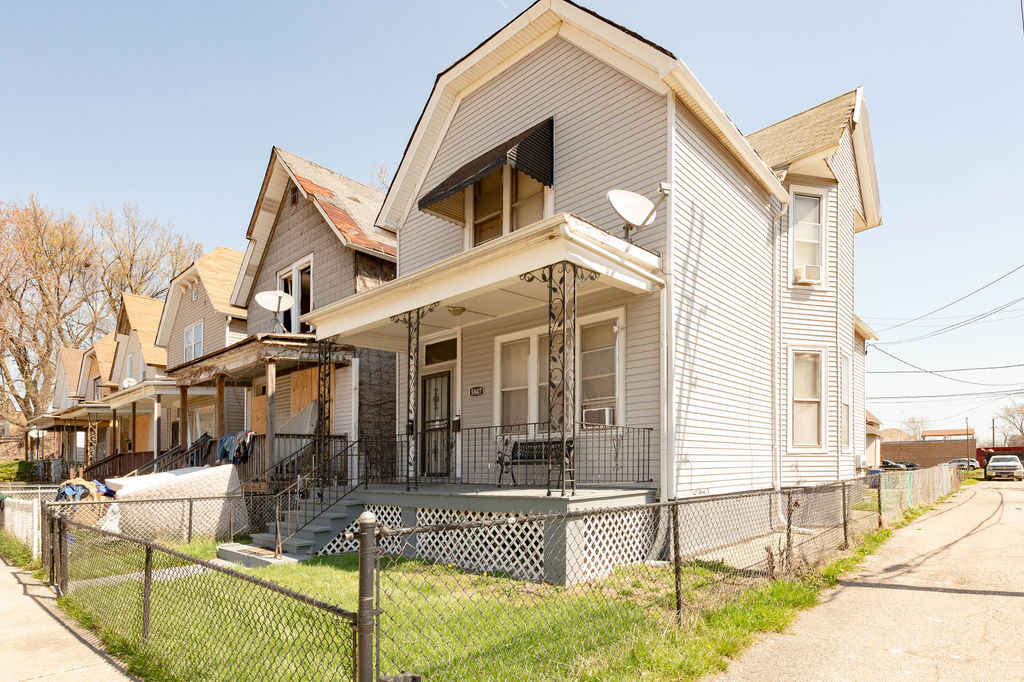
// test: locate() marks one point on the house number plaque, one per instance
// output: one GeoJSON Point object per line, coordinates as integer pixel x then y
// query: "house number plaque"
{"type": "Point", "coordinates": [476, 391]}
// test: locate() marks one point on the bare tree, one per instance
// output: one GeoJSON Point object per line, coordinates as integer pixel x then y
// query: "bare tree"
{"type": "Point", "coordinates": [1011, 422]}
{"type": "Point", "coordinates": [380, 176]}
{"type": "Point", "coordinates": [60, 286]}
{"type": "Point", "coordinates": [137, 254]}
{"type": "Point", "coordinates": [914, 426]}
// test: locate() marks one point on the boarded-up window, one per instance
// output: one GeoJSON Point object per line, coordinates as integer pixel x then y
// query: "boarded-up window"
{"type": "Point", "coordinates": [372, 271]}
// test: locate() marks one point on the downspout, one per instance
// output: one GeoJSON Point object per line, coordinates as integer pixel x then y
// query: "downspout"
{"type": "Point", "coordinates": [776, 343]}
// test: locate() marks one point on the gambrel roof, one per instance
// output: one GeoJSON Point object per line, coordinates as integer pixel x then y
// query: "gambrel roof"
{"type": "Point", "coordinates": [349, 207]}
{"type": "Point", "coordinates": [650, 64]}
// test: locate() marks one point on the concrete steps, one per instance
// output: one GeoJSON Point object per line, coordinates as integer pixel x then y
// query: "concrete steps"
{"type": "Point", "coordinates": [305, 541]}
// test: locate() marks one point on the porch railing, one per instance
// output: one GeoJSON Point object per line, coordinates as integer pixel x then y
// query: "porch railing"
{"type": "Point", "coordinates": [118, 464]}
{"type": "Point", "coordinates": [512, 455]}
{"type": "Point", "coordinates": [297, 453]}
{"type": "Point", "coordinates": [198, 454]}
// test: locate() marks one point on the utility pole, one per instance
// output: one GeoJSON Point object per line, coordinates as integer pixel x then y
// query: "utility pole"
{"type": "Point", "coordinates": [967, 434]}
{"type": "Point", "coordinates": [993, 432]}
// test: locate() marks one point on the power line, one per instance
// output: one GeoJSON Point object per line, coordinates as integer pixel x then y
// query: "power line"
{"type": "Point", "coordinates": [932, 396]}
{"type": "Point", "coordinates": [934, 373]}
{"type": "Point", "coordinates": [965, 296]}
{"type": "Point", "coordinates": [955, 369]}
{"type": "Point", "coordinates": [954, 327]}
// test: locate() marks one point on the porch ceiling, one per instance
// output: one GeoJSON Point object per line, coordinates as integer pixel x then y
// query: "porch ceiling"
{"type": "Point", "coordinates": [486, 282]}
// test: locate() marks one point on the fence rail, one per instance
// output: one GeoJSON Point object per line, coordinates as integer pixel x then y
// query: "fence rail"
{"type": "Point", "coordinates": [200, 620]}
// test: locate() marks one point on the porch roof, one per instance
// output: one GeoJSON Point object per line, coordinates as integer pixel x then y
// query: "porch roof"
{"type": "Point", "coordinates": [486, 282]}
{"type": "Point", "coordinates": [245, 359]}
{"type": "Point", "coordinates": [144, 391]}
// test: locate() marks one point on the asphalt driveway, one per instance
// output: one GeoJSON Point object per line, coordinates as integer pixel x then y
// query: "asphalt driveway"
{"type": "Point", "coordinates": [942, 599]}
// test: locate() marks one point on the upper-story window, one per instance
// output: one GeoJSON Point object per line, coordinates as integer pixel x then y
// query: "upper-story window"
{"type": "Point", "coordinates": [297, 280]}
{"type": "Point", "coordinates": [502, 202]}
{"type": "Point", "coordinates": [194, 341]}
{"type": "Point", "coordinates": [808, 239]}
{"type": "Point", "coordinates": [129, 365]}
{"type": "Point", "coordinates": [97, 389]}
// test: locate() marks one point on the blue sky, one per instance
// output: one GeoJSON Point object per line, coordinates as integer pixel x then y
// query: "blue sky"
{"type": "Point", "coordinates": [175, 106]}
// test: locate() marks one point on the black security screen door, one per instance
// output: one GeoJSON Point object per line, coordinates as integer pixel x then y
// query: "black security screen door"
{"type": "Point", "coordinates": [436, 441]}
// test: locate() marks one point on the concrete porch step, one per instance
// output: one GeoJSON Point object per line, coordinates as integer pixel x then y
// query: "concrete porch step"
{"type": "Point", "coordinates": [253, 556]}
{"type": "Point", "coordinates": [301, 547]}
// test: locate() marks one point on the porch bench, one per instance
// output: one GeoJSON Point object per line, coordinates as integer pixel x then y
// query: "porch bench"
{"type": "Point", "coordinates": [513, 452]}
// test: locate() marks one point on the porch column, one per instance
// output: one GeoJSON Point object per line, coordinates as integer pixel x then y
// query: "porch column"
{"type": "Point", "coordinates": [134, 429]}
{"type": "Point", "coordinates": [183, 420]}
{"type": "Point", "coordinates": [562, 279]}
{"type": "Point", "coordinates": [411, 320]}
{"type": "Point", "coordinates": [271, 421]}
{"type": "Point", "coordinates": [157, 419]}
{"type": "Point", "coordinates": [220, 414]}
{"type": "Point", "coordinates": [112, 439]}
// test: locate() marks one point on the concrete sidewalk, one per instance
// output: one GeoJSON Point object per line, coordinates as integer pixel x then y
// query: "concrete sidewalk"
{"type": "Point", "coordinates": [943, 599]}
{"type": "Point", "coordinates": [39, 643]}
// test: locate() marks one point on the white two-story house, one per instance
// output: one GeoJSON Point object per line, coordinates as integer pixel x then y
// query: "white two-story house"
{"type": "Point", "coordinates": [715, 350]}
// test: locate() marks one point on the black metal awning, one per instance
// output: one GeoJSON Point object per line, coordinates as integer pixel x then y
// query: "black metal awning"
{"type": "Point", "coordinates": [531, 152]}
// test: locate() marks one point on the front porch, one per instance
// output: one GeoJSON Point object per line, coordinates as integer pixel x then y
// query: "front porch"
{"type": "Point", "coordinates": [515, 365]}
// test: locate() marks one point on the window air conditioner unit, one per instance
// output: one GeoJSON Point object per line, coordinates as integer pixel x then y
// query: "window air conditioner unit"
{"type": "Point", "coordinates": [604, 416]}
{"type": "Point", "coordinates": [807, 274]}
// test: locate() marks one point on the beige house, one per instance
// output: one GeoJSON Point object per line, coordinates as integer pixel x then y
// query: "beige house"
{"type": "Point", "coordinates": [240, 367]}
{"type": "Point", "coordinates": [716, 350]}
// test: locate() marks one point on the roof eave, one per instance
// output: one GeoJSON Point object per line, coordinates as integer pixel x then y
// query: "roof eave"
{"type": "Point", "coordinates": [864, 155]}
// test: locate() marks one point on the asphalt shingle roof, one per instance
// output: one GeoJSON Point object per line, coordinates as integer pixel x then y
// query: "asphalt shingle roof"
{"type": "Point", "coordinates": [799, 135]}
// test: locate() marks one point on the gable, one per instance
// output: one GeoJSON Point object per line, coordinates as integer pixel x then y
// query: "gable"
{"type": "Point", "coordinates": [190, 312]}
{"type": "Point", "coordinates": [610, 130]}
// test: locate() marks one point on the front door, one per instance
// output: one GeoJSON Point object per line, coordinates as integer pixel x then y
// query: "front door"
{"type": "Point", "coordinates": [436, 441]}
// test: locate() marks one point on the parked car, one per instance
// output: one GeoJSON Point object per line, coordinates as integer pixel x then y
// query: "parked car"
{"type": "Point", "coordinates": [1004, 466]}
{"type": "Point", "coordinates": [888, 464]}
{"type": "Point", "coordinates": [910, 465]}
{"type": "Point", "coordinates": [964, 463]}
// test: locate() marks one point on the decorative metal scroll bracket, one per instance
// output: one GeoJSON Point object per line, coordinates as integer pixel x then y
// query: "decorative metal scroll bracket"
{"type": "Point", "coordinates": [545, 275]}
{"type": "Point", "coordinates": [411, 319]}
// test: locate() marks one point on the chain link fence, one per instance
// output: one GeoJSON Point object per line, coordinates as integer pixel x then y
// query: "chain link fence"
{"type": "Point", "coordinates": [194, 619]}
{"type": "Point", "coordinates": [476, 595]}
{"type": "Point", "coordinates": [21, 519]}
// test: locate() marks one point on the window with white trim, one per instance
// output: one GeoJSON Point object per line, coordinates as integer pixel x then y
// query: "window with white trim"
{"type": "Point", "coordinates": [846, 388]}
{"type": "Point", "coordinates": [807, 239]}
{"type": "Point", "coordinates": [522, 374]}
{"type": "Point", "coordinates": [194, 341]}
{"type": "Point", "coordinates": [129, 365]}
{"type": "Point", "coordinates": [297, 280]}
{"type": "Point", "coordinates": [504, 201]}
{"type": "Point", "coordinates": [806, 404]}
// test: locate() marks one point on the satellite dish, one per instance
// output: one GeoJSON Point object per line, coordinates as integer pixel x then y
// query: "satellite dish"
{"type": "Point", "coordinates": [129, 382]}
{"type": "Point", "coordinates": [275, 301]}
{"type": "Point", "coordinates": [35, 433]}
{"type": "Point", "coordinates": [637, 210]}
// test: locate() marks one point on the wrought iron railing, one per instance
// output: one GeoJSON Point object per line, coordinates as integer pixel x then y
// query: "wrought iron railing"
{"type": "Point", "coordinates": [513, 455]}
{"type": "Point", "coordinates": [296, 453]}
{"type": "Point", "coordinates": [329, 477]}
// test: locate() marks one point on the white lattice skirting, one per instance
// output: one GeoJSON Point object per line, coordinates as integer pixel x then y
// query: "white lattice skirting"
{"type": "Point", "coordinates": [387, 515]}
{"type": "Point", "coordinates": [514, 549]}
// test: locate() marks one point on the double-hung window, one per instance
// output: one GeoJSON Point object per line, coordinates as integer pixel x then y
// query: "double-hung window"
{"type": "Point", "coordinates": [129, 366]}
{"type": "Point", "coordinates": [504, 201]}
{"type": "Point", "coordinates": [194, 341]}
{"type": "Point", "coordinates": [806, 403]}
{"type": "Point", "coordinates": [807, 239]}
{"type": "Point", "coordinates": [523, 374]}
{"type": "Point", "coordinates": [297, 281]}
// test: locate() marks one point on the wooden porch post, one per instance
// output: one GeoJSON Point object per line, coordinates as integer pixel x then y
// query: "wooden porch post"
{"type": "Point", "coordinates": [156, 426]}
{"type": "Point", "coordinates": [134, 431]}
{"type": "Point", "coordinates": [183, 420]}
{"type": "Point", "coordinates": [220, 415]}
{"type": "Point", "coordinates": [271, 422]}
{"type": "Point", "coordinates": [112, 434]}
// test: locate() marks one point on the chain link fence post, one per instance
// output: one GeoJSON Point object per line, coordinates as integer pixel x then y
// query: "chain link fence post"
{"type": "Point", "coordinates": [677, 560]}
{"type": "Point", "coordinates": [846, 520]}
{"type": "Point", "coordinates": [365, 616]}
{"type": "Point", "coordinates": [147, 591]}
{"type": "Point", "coordinates": [62, 540]}
{"type": "Point", "coordinates": [789, 530]}
{"type": "Point", "coordinates": [878, 478]}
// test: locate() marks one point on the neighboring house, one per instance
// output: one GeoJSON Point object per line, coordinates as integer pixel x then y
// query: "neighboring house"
{"type": "Point", "coordinates": [717, 351]}
{"type": "Point", "coordinates": [312, 237]}
{"type": "Point", "coordinates": [894, 434]}
{"type": "Point", "coordinates": [872, 441]}
{"type": "Point", "coordinates": [69, 433]}
{"type": "Point", "coordinates": [928, 453]}
{"type": "Point", "coordinates": [143, 389]}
